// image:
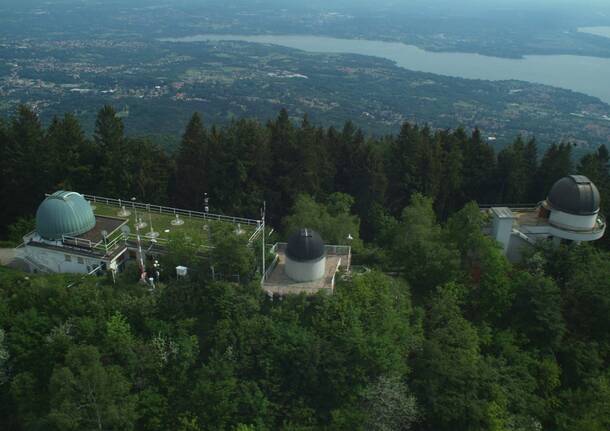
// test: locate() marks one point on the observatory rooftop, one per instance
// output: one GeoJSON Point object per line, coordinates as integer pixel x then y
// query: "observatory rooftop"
{"type": "Point", "coordinates": [166, 221]}
{"type": "Point", "coordinates": [277, 282]}
{"type": "Point", "coordinates": [64, 214]}
{"type": "Point", "coordinates": [305, 245]}
{"type": "Point", "coordinates": [575, 194]}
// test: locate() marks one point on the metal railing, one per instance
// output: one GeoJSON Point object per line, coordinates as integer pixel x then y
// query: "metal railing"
{"type": "Point", "coordinates": [521, 206]}
{"type": "Point", "coordinates": [332, 281]}
{"type": "Point", "coordinates": [331, 250]}
{"type": "Point", "coordinates": [270, 269]}
{"type": "Point", "coordinates": [104, 246]}
{"type": "Point", "coordinates": [256, 233]}
{"type": "Point", "coordinates": [159, 209]}
{"type": "Point", "coordinates": [76, 242]}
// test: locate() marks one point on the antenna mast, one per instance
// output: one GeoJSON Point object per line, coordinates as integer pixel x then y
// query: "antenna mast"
{"type": "Point", "coordinates": [263, 220]}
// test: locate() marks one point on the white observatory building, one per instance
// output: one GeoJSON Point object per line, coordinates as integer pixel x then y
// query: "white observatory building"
{"type": "Point", "coordinates": [305, 265]}
{"type": "Point", "coordinates": [305, 256]}
{"type": "Point", "coordinates": [70, 238]}
{"type": "Point", "coordinates": [569, 214]}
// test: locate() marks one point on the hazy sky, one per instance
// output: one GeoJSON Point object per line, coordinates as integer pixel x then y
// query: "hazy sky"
{"type": "Point", "coordinates": [462, 8]}
{"type": "Point", "coordinates": [337, 3]}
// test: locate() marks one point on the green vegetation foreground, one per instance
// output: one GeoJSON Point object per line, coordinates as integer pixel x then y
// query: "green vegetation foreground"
{"type": "Point", "coordinates": [459, 341]}
{"type": "Point", "coordinates": [456, 339]}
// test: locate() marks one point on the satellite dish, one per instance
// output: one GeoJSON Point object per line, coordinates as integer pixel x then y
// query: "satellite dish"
{"type": "Point", "coordinates": [125, 229]}
{"type": "Point", "coordinates": [104, 233]}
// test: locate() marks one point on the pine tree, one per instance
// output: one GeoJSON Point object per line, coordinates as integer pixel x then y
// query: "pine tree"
{"type": "Point", "coordinates": [451, 176]}
{"type": "Point", "coordinates": [479, 165]}
{"type": "Point", "coordinates": [516, 170]}
{"type": "Point", "coordinates": [403, 165]}
{"type": "Point", "coordinates": [26, 166]}
{"type": "Point", "coordinates": [192, 164]}
{"type": "Point", "coordinates": [114, 176]}
{"type": "Point", "coordinates": [555, 164]}
{"type": "Point", "coordinates": [283, 184]}
{"type": "Point", "coordinates": [74, 155]}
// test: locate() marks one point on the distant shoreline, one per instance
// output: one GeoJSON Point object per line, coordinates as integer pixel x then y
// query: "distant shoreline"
{"type": "Point", "coordinates": [603, 31]}
{"type": "Point", "coordinates": [587, 75]}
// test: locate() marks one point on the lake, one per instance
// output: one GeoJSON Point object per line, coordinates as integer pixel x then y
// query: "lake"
{"type": "Point", "coordinates": [598, 31]}
{"type": "Point", "coordinates": [589, 75]}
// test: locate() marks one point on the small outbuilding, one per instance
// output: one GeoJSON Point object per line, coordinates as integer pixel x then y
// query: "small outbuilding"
{"type": "Point", "coordinates": [305, 264]}
{"type": "Point", "coordinates": [305, 256]}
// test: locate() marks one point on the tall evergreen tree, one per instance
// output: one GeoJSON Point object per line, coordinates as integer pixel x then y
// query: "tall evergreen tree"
{"type": "Point", "coordinates": [240, 165]}
{"type": "Point", "coordinates": [596, 167]}
{"type": "Point", "coordinates": [479, 167]}
{"type": "Point", "coordinates": [26, 166]}
{"type": "Point", "coordinates": [192, 165]}
{"type": "Point", "coordinates": [555, 164]}
{"type": "Point", "coordinates": [516, 170]}
{"type": "Point", "coordinates": [316, 170]}
{"type": "Point", "coordinates": [402, 160]}
{"type": "Point", "coordinates": [283, 183]}
{"type": "Point", "coordinates": [73, 161]}
{"type": "Point", "coordinates": [149, 168]}
{"type": "Point", "coordinates": [113, 158]}
{"type": "Point", "coordinates": [371, 186]}
{"type": "Point", "coordinates": [452, 178]}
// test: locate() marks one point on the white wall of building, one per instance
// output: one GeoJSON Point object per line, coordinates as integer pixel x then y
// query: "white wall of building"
{"type": "Point", "coordinates": [305, 271]}
{"type": "Point", "coordinates": [516, 247]}
{"type": "Point", "coordinates": [61, 261]}
{"type": "Point", "coordinates": [571, 221]}
{"type": "Point", "coordinates": [502, 226]}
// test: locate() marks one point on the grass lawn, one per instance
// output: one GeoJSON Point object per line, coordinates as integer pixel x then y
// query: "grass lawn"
{"type": "Point", "coordinates": [162, 223]}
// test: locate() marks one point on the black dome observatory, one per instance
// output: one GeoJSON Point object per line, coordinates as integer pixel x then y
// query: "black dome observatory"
{"type": "Point", "coordinates": [305, 245]}
{"type": "Point", "coordinates": [574, 194]}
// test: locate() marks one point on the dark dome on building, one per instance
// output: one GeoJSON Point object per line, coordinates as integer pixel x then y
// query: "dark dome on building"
{"type": "Point", "coordinates": [574, 194]}
{"type": "Point", "coordinates": [64, 213]}
{"type": "Point", "coordinates": [305, 245]}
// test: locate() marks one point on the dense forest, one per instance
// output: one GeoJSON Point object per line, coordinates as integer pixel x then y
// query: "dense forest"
{"type": "Point", "coordinates": [246, 163]}
{"type": "Point", "coordinates": [442, 334]}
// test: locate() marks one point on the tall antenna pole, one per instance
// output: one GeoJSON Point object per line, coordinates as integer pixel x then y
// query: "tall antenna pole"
{"type": "Point", "coordinates": [263, 217]}
{"type": "Point", "coordinates": [140, 254]}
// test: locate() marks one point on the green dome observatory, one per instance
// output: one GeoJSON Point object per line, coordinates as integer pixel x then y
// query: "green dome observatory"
{"type": "Point", "coordinates": [64, 214]}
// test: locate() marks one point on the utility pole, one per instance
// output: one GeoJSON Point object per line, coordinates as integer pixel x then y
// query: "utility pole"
{"type": "Point", "coordinates": [133, 203]}
{"type": "Point", "coordinates": [263, 221]}
{"type": "Point", "coordinates": [206, 211]}
{"type": "Point", "coordinates": [140, 255]}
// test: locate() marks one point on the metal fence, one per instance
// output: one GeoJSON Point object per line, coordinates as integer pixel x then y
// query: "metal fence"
{"type": "Point", "coordinates": [171, 211]}
{"type": "Point", "coordinates": [270, 268]}
{"type": "Point", "coordinates": [331, 250]}
{"type": "Point", "coordinates": [158, 209]}
{"type": "Point", "coordinates": [515, 207]}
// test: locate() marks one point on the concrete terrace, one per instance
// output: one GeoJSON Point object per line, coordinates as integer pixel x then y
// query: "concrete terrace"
{"type": "Point", "coordinates": [276, 282]}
